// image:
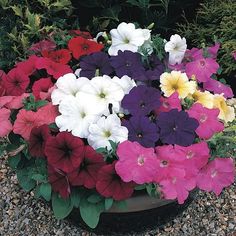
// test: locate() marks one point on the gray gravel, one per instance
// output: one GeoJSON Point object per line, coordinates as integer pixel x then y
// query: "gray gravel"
{"type": "Point", "coordinates": [22, 215]}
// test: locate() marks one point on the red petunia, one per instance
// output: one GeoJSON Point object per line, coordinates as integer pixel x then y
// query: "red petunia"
{"type": "Point", "coordinates": [83, 34]}
{"type": "Point", "coordinates": [65, 151]}
{"type": "Point", "coordinates": [15, 82]}
{"type": "Point", "coordinates": [37, 140]}
{"type": "Point", "coordinates": [109, 184]}
{"type": "Point", "coordinates": [43, 45]}
{"type": "Point", "coordinates": [41, 87]}
{"type": "Point", "coordinates": [61, 56]}
{"type": "Point", "coordinates": [80, 46]}
{"type": "Point", "coordinates": [87, 174]}
{"type": "Point", "coordinates": [52, 68]}
{"type": "Point", "coordinates": [59, 181]}
{"type": "Point", "coordinates": [27, 66]}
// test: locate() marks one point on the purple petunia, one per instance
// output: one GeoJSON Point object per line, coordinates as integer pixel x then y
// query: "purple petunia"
{"type": "Point", "coordinates": [127, 63]}
{"type": "Point", "coordinates": [141, 100]}
{"type": "Point", "coordinates": [96, 62]}
{"type": "Point", "coordinates": [176, 127]}
{"type": "Point", "coordinates": [142, 130]}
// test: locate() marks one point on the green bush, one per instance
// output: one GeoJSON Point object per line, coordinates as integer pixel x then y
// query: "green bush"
{"type": "Point", "coordinates": [215, 21]}
{"type": "Point", "coordinates": [25, 22]}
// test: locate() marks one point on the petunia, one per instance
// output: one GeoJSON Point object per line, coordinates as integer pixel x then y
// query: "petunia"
{"type": "Point", "coordinates": [176, 127]}
{"type": "Point", "coordinates": [47, 114]}
{"type": "Point", "coordinates": [27, 67]}
{"type": "Point", "coordinates": [176, 82]}
{"type": "Point", "coordinates": [80, 46]}
{"type": "Point", "coordinates": [25, 122]}
{"type": "Point", "coordinates": [6, 126]}
{"type": "Point", "coordinates": [202, 69]}
{"type": "Point", "coordinates": [125, 82]}
{"type": "Point", "coordinates": [110, 185]}
{"type": "Point", "coordinates": [142, 130]}
{"type": "Point", "coordinates": [227, 113]}
{"type": "Point", "coordinates": [87, 174]}
{"type": "Point", "coordinates": [67, 85]}
{"type": "Point", "coordinates": [126, 37]}
{"type": "Point", "coordinates": [59, 181]}
{"type": "Point", "coordinates": [169, 103]}
{"type": "Point", "coordinates": [100, 92]}
{"type": "Point", "coordinates": [41, 87]}
{"type": "Point", "coordinates": [2, 77]}
{"type": "Point", "coordinates": [141, 100]}
{"type": "Point", "coordinates": [205, 98]}
{"type": "Point", "coordinates": [95, 64]}
{"type": "Point", "coordinates": [75, 116]}
{"type": "Point", "coordinates": [43, 45]}
{"type": "Point", "coordinates": [208, 120]}
{"type": "Point", "coordinates": [176, 48]}
{"type": "Point", "coordinates": [61, 56]}
{"type": "Point", "coordinates": [37, 140]}
{"type": "Point", "coordinates": [140, 161]}
{"type": "Point", "coordinates": [213, 50]}
{"type": "Point", "coordinates": [218, 88]}
{"type": "Point", "coordinates": [64, 151]}
{"type": "Point", "coordinates": [13, 102]}
{"type": "Point", "coordinates": [15, 82]}
{"type": "Point", "coordinates": [217, 175]}
{"type": "Point", "coordinates": [106, 129]}
{"type": "Point", "coordinates": [127, 63]}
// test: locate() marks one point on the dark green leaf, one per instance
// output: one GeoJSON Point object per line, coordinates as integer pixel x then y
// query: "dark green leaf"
{"type": "Point", "coordinates": [46, 191]}
{"type": "Point", "coordinates": [108, 203]}
{"type": "Point", "coordinates": [14, 161]}
{"type": "Point", "coordinates": [61, 207]}
{"type": "Point", "coordinates": [24, 178]}
{"type": "Point", "coordinates": [140, 187]}
{"type": "Point", "coordinates": [76, 197]}
{"type": "Point", "coordinates": [139, 3]}
{"type": "Point", "coordinates": [112, 12]}
{"type": "Point", "coordinates": [94, 198]}
{"type": "Point", "coordinates": [38, 177]}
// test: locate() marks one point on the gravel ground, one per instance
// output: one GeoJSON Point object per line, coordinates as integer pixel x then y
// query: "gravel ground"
{"type": "Point", "coordinates": [22, 215]}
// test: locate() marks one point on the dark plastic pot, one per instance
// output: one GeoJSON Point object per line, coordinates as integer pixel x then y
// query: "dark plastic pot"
{"type": "Point", "coordinates": [142, 213]}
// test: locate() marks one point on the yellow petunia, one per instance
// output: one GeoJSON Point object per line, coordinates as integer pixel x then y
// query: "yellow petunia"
{"type": "Point", "coordinates": [177, 82]}
{"type": "Point", "coordinates": [204, 98]}
{"type": "Point", "coordinates": [227, 113]}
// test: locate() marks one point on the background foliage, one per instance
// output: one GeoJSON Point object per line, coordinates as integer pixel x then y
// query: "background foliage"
{"type": "Point", "coordinates": [24, 22]}
{"type": "Point", "coordinates": [215, 20]}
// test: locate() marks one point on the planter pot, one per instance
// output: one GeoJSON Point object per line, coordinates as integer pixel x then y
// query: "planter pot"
{"type": "Point", "coordinates": [143, 212]}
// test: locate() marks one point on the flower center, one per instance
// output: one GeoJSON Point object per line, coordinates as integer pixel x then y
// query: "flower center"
{"type": "Point", "coordinates": [85, 47]}
{"type": "Point", "coordinates": [166, 104]}
{"type": "Point", "coordinates": [107, 133]}
{"type": "Point", "coordinates": [141, 160]}
{"type": "Point", "coordinates": [127, 64]}
{"type": "Point", "coordinates": [164, 163]}
{"type": "Point", "coordinates": [213, 174]}
{"type": "Point", "coordinates": [126, 41]}
{"type": "Point", "coordinates": [139, 135]}
{"type": "Point", "coordinates": [175, 86]}
{"type": "Point", "coordinates": [175, 128]}
{"type": "Point", "coordinates": [202, 63]}
{"type": "Point", "coordinates": [203, 118]}
{"type": "Point", "coordinates": [190, 154]}
{"type": "Point", "coordinates": [102, 95]}
{"type": "Point", "coordinates": [82, 114]}
{"type": "Point", "coordinates": [142, 104]}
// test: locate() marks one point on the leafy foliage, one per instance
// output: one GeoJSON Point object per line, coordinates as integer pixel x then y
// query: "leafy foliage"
{"type": "Point", "coordinates": [215, 21]}
{"type": "Point", "coordinates": [25, 22]}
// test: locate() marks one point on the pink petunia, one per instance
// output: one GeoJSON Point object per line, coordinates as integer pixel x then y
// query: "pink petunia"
{"type": "Point", "coordinates": [170, 163]}
{"type": "Point", "coordinates": [196, 156]}
{"type": "Point", "coordinates": [193, 54]}
{"type": "Point", "coordinates": [6, 126]}
{"type": "Point", "coordinates": [209, 123]}
{"type": "Point", "coordinates": [169, 103]}
{"type": "Point", "coordinates": [13, 102]}
{"type": "Point", "coordinates": [177, 188]}
{"type": "Point", "coordinates": [136, 163]}
{"type": "Point", "coordinates": [48, 113]}
{"type": "Point", "coordinates": [213, 50]}
{"type": "Point", "coordinates": [25, 122]}
{"type": "Point", "coordinates": [202, 69]}
{"type": "Point", "coordinates": [217, 175]}
{"type": "Point", "coordinates": [218, 88]}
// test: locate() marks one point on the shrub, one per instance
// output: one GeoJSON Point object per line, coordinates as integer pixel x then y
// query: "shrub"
{"type": "Point", "coordinates": [215, 21]}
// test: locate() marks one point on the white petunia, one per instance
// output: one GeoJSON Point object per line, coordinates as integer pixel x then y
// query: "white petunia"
{"type": "Point", "coordinates": [75, 116]}
{"type": "Point", "coordinates": [125, 82]}
{"type": "Point", "coordinates": [126, 37]}
{"type": "Point", "coordinates": [67, 85]}
{"type": "Point", "coordinates": [99, 93]}
{"type": "Point", "coordinates": [106, 129]}
{"type": "Point", "coordinates": [176, 48]}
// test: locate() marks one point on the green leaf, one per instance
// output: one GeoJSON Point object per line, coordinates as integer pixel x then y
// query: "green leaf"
{"type": "Point", "coordinates": [108, 203]}
{"type": "Point", "coordinates": [46, 191]}
{"type": "Point", "coordinates": [24, 178]}
{"type": "Point", "coordinates": [14, 161]}
{"type": "Point", "coordinates": [139, 3]}
{"type": "Point", "coordinates": [38, 177]}
{"type": "Point", "coordinates": [61, 207]}
{"type": "Point", "coordinates": [140, 187]}
{"type": "Point", "coordinates": [94, 198]}
{"type": "Point", "coordinates": [90, 212]}
{"type": "Point", "coordinates": [75, 197]}
{"type": "Point", "coordinates": [122, 205]}
{"type": "Point", "coordinates": [112, 12]}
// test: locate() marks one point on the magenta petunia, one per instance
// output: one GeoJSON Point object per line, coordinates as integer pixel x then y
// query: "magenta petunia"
{"type": "Point", "coordinates": [170, 163]}
{"type": "Point", "coordinates": [109, 184]}
{"type": "Point", "coordinates": [177, 188]}
{"type": "Point", "coordinates": [169, 103]}
{"type": "Point", "coordinates": [209, 123]}
{"type": "Point", "coordinates": [218, 88]}
{"type": "Point", "coordinates": [202, 69]}
{"type": "Point", "coordinates": [87, 174]}
{"type": "Point", "coordinates": [217, 175]}
{"type": "Point", "coordinates": [196, 156]}
{"type": "Point", "coordinates": [140, 162]}
{"type": "Point", "coordinates": [213, 50]}
{"type": "Point", "coordinates": [65, 151]}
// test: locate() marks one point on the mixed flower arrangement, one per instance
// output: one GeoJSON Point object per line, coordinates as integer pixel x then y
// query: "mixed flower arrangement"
{"type": "Point", "coordinates": [88, 124]}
